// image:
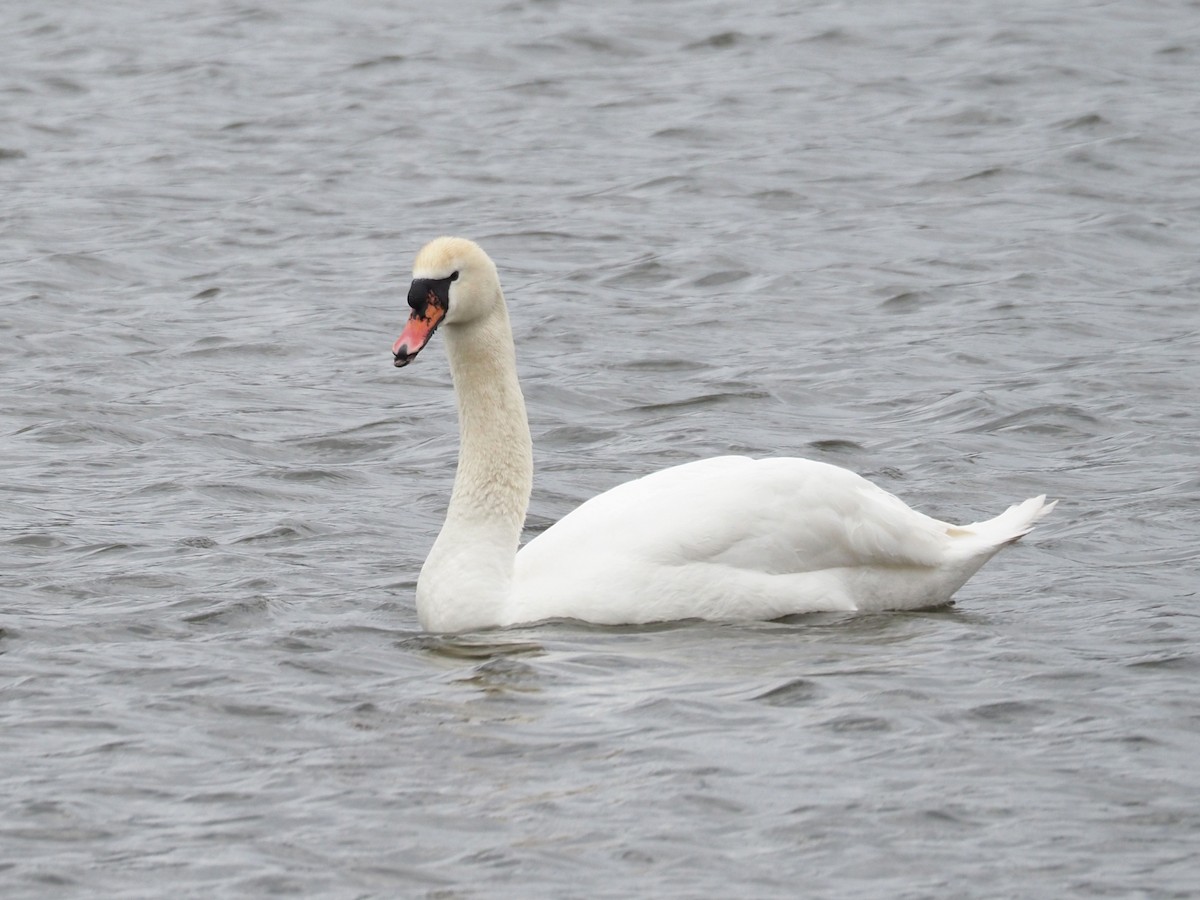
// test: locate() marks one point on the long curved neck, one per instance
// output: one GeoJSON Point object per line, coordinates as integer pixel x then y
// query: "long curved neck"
{"type": "Point", "coordinates": [467, 578]}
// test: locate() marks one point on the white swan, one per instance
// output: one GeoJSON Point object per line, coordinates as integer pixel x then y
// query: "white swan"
{"type": "Point", "coordinates": [722, 538]}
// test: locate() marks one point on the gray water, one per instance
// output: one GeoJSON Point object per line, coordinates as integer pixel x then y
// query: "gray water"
{"type": "Point", "coordinates": [954, 246]}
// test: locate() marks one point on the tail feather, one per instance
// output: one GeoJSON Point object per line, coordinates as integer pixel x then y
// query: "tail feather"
{"type": "Point", "coordinates": [1012, 524]}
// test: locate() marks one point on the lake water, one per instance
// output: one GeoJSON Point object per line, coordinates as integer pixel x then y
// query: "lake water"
{"type": "Point", "coordinates": [954, 246]}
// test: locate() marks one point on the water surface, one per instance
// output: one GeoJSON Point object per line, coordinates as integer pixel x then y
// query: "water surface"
{"type": "Point", "coordinates": [949, 245]}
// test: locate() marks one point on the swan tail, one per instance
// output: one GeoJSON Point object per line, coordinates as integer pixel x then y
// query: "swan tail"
{"type": "Point", "coordinates": [1011, 525]}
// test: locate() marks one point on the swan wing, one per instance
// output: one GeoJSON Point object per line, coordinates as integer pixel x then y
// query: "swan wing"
{"type": "Point", "coordinates": [727, 537]}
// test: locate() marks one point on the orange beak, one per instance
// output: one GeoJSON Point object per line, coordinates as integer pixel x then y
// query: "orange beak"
{"type": "Point", "coordinates": [421, 325]}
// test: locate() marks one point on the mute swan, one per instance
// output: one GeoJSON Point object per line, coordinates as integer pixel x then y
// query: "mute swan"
{"type": "Point", "coordinates": [722, 538]}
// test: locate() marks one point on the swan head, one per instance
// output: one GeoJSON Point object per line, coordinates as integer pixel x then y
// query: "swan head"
{"type": "Point", "coordinates": [454, 282]}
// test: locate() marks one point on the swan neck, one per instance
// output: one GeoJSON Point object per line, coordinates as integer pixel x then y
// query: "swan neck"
{"type": "Point", "coordinates": [467, 579]}
{"type": "Point", "coordinates": [495, 456]}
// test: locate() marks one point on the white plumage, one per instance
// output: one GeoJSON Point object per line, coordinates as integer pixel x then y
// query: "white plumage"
{"type": "Point", "coordinates": [722, 538]}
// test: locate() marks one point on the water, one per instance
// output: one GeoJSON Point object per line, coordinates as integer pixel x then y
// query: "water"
{"type": "Point", "coordinates": [950, 245]}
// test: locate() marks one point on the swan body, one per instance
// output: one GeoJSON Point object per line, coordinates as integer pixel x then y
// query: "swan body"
{"type": "Point", "coordinates": [725, 538]}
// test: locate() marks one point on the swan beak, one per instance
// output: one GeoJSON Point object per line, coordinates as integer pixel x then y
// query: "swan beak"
{"type": "Point", "coordinates": [422, 323]}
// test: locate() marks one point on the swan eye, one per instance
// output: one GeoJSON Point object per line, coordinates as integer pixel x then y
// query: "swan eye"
{"type": "Point", "coordinates": [454, 275]}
